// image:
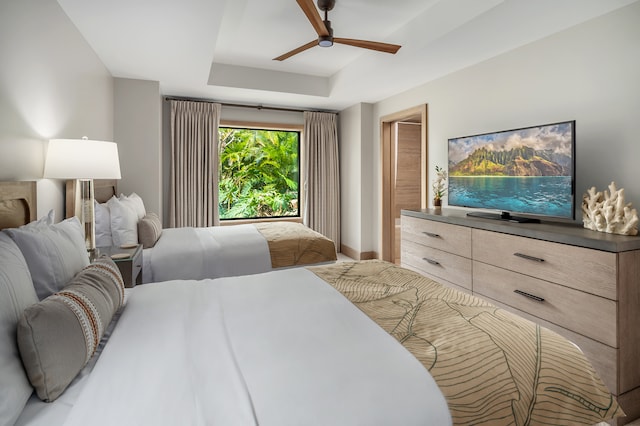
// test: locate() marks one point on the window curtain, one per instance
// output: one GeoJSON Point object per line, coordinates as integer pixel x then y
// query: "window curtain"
{"type": "Point", "coordinates": [194, 164]}
{"type": "Point", "coordinates": [322, 177]}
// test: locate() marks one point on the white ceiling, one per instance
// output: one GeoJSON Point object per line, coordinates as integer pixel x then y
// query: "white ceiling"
{"type": "Point", "coordinates": [223, 49]}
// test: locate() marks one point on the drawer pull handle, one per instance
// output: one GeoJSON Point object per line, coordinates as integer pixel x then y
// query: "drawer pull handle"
{"type": "Point", "coordinates": [526, 256]}
{"type": "Point", "coordinates": [431, 234]}
{"type": "Point", "coordinates": [431, 261]}
{"type": "Point", "coordinates": [530, 296]}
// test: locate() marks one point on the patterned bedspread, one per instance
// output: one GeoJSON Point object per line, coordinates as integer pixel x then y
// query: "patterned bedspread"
{"type": "Point", "coordinates": [292, 244]}
{"type": "Point", "coordinates": [493, 367]}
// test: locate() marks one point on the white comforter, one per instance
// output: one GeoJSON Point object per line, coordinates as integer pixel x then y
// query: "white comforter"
{"type": "Point", "coordinates": [282, 348]}
{"type": "Point", "coordinates": [197, 253]}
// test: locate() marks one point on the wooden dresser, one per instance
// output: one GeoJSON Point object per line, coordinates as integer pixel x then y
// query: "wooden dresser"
{"type": "Point", "coordinates": [584, 285]}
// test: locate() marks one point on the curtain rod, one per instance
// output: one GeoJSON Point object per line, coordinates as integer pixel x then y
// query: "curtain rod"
{"type": "Point", "coordinates": [258, 107]}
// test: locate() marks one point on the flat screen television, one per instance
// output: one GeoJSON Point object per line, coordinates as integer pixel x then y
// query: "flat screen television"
{"type": "Point", "coordinates": [525, 174]}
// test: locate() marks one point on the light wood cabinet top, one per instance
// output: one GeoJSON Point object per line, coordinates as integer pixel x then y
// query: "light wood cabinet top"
{"type": "Point", "coordinates": [565, 233]}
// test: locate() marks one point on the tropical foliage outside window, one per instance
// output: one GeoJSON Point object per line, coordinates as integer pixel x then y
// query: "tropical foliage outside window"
{"type": "Point", "coordinates": [259, 173]}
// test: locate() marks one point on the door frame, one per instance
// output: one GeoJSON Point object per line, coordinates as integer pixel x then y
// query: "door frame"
{"type": "Point", "coordinates": [388, 144]}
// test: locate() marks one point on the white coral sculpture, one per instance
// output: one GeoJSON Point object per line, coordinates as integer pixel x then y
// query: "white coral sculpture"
{"type": "Point", "coordinates": [607, 212]}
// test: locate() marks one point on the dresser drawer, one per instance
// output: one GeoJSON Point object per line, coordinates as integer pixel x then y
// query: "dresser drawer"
{"type": "Point", "coordinates": [443, 236]}
{"type": "Point", "coordinates": [580, 268]}
{"type": "Point", "coordinates": [583, 313]}
{"type": "Point", "coordinates": [437, 263]}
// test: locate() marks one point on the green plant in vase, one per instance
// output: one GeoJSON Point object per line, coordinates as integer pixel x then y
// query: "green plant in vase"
{"type": "Point", "coordinates": [439, 186]}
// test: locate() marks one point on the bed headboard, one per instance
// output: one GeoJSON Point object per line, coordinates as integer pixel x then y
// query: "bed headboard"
{"type": "Point", "coordinates": [103, 189]}
{"type": "Point", "coordinates": [17, 203]}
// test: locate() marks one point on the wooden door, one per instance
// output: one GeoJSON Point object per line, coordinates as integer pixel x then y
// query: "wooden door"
{"type": "Point", "coordinates": [404, 172]}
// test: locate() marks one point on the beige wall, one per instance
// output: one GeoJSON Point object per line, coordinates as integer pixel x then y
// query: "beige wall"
{"type": "Point", "coordinates": [355, 142]}
{"type": "Point", "coordinates": [350, 147]}
{"type": "Point", "coordinates": [261, 115]}
{"type": "Point", "coordinates": [52, 85]}
{"type": "Point", "coordinates": [137, 123]}
{"type": "Point", "coordinates": [589, 73]}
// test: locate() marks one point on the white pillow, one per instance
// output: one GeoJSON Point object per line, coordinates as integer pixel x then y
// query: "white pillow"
{"type": "Point", "coordinates": [43, 222]}
{"type": "Point", "coordinates": [103, 225]}
{"type": "Point", "coordinates": [16, 294]}
{"type": "Point", "coordinates": [54, 254]}
{"type": "Point", "coordinates": [135, 202]}
{"type": "Point", "coordinates": [124, 222]}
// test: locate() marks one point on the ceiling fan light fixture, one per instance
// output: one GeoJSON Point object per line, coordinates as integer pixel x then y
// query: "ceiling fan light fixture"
{"type": "Point", "coordinates": [325, 41]}
{"type": "Point", "coordinates": [325, 32]}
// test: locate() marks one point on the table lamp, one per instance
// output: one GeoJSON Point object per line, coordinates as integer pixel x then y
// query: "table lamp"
{"type": "Point", "coordinates": [83, 160]}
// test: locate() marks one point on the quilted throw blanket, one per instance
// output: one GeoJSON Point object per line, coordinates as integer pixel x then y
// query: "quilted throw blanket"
{"type": "Point", "coordinates": [292, 244]}
{"type": "Point", "coordinates": [493, 367]}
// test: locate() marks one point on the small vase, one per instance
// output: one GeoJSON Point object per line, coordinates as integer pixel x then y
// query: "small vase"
{"type": "Point", "coordinates": [437, 203]}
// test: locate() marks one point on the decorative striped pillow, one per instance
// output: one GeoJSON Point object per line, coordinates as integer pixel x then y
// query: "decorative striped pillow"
{"type": "Point", "coordinates": [149, 230]}
{"type": "Point", "coordinates": [68, 326]}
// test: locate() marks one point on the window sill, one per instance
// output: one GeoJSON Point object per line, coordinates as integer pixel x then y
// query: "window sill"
{"type": "Point", "coordinates": [229, 222]}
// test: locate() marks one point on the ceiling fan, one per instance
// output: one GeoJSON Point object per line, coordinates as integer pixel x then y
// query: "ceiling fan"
{"type": "Point", "coordinates": [325, 32]}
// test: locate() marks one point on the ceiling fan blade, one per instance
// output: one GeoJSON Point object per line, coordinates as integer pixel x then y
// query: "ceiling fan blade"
{"type": "Point", "coordinates": [313, 16]}
{"type": "Point", "coordinates": [373, 45]}
{"type": "Point", "coordinates": [296, 51]}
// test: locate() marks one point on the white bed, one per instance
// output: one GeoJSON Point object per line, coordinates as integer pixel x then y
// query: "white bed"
{"type": "Point", "coordinates": [348, 343]}
{"type": "Point", "coordinates": [198, 253]}
{"type": "Point", "coordinates": [230, 352]}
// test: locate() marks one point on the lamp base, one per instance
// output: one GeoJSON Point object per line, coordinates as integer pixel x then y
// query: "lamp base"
{"type": "Point", "coordinates": [85, 212]}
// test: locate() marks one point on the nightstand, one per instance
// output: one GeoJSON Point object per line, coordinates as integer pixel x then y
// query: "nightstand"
{"type": "Point", "coordinates": [129, 261]}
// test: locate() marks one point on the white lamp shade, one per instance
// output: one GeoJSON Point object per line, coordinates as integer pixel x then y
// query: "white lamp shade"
{"type": "Point", "coordinates": [82, 159]}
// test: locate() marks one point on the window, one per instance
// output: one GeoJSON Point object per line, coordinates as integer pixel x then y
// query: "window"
{"type": "Point", "coordinates": [259, 173]}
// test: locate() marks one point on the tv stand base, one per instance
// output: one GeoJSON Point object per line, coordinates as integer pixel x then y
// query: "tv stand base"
{"type": "Point", "coordinates": [503, 216]}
